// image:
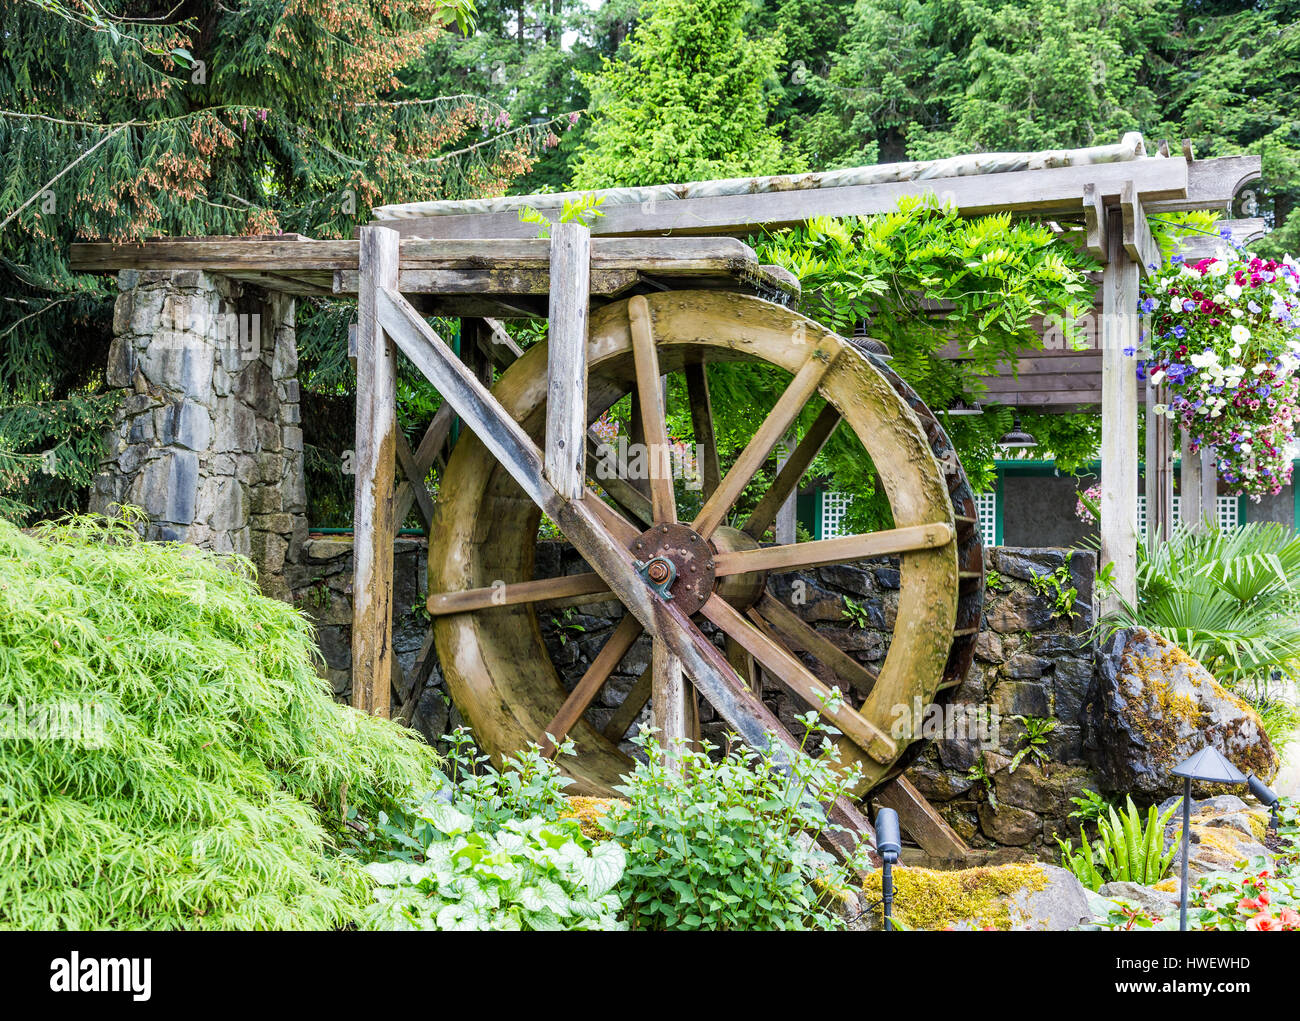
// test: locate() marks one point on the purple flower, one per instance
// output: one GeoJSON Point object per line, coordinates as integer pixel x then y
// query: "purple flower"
{"type": "Point", "coordinates": [1149, 305]}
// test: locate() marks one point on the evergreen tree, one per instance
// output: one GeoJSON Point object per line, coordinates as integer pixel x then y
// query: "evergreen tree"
{"type": "Point", "coordinates": [690, 102]}
{"type": "Point", "coordinates": [122, 120]}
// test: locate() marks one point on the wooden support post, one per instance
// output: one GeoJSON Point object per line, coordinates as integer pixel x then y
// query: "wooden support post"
{"type": "Point", "coordinates": [669, 699]}
{"type": "Point", "coordinates": [1198, 488]}
{"type": "Point", "coordinates": [565, 452]}
{"type": "Point", "coordinates": [373, 522]}
{"type": "Point", "coordinates": [1119, 467]}
{"type": "Point", "coordinates": [1159, 477]}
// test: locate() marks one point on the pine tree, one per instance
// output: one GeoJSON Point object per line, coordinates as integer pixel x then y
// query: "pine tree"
{"type": "Point", "coordinates": [123, 120]}
{"type": "Point", "coordinates": [690, 102]}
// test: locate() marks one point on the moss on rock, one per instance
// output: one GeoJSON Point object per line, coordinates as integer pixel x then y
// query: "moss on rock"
{"type": "Point", "coordinates": [980, 897]}
{"type": "Point", "coordinates": [589, 812]}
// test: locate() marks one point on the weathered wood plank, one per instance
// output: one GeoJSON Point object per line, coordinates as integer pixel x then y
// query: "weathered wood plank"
{"type": "Point", "coordinates": [654, 422]}
{"type": "Point", "coordinates": [668, 708]}
{"type": "Point", "coordinates": [1094, 221]}
{"type": "Point", "coordinates": [1138, 242]}
{"type": "Point", "coordinates": [1119, 463]}
{"type": "Point", "coordinates": [374, 524]}
{"type": "Point", "coordinates": [843, 549]}
{"type": "Point", "coordinates": [1056, 189]}
{"type": "Point", "coordinates": [540, 590]}
{"type": "Point", "coordinates": [803, 637]}
{"type": "Point", "coordinates": [630, 708]}
{"type": "Point", "coordinates": [565, 447]}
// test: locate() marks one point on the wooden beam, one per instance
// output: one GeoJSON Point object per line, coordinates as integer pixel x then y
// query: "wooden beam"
{"type": "Point", "coordinates": [1055, 189]}
{"type": "Point", "coordinates": [1119, 462]}
{"type": "Point", "coordinates": [373, 522]}
{"type": "Point", "coordinates": [1158, 478]}
{"type": "Point", "coordinates": [1138, 242]}
{"type": "Point", "coordinates": [668, 708]}
{"type": "Point", "coordinates": [1094, 219]}
{"type": "Point", "coordinates": [1211, 184]}
{"type": "Point", "coordinates": [565, 451]}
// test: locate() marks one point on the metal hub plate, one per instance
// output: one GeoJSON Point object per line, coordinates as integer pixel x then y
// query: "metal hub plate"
{"type": "Point", "coordinates": [689, 553]}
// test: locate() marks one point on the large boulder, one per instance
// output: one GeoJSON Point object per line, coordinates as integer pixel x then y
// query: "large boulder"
{"type": "Point", "coordinates": [1151, 706]}
{"type": "Point", "coordinates": [1019, 896]}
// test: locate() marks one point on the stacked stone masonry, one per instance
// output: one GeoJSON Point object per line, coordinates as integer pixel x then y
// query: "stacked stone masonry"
{"type": "Point", "coordinates": [208, 440]}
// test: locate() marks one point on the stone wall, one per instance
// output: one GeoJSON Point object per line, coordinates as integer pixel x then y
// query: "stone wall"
{"type": "Point", "coordinates": [1033, 659]}
{"type": "Point", "coordinates": [208, 440]}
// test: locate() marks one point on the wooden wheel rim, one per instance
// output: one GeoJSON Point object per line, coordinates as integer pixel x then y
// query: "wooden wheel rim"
{"type": "Point", "coordinates": [497, 668]}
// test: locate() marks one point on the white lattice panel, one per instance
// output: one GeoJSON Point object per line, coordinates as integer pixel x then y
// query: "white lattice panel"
{"type": "Point", "coordinates": [986, 510]}
{"type": "Point", "coordinates": [834, 507]}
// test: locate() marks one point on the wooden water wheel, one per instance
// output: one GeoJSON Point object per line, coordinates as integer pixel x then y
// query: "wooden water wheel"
{"type": "Point", "coordinates": [486, 603]}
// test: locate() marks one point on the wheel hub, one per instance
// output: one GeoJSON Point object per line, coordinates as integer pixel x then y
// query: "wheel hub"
{"type": "Point", "coordinates": [677, 562]}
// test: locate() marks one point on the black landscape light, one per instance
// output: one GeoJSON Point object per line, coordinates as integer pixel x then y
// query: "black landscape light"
{"type": "Point", "coordinates": [1208, 766]}
{"type": "Point", "coordinates": [1265, 796]}
{"type": "Point", "coordinates": [888, 846]}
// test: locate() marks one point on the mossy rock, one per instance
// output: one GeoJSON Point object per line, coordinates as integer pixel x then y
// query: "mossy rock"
{"type": "Point", "coordinates": [1016, 896]}
{"type": "Point", "coordinates": [589, 812]}
{"type": "Point", "coordinates": [1153, 706]}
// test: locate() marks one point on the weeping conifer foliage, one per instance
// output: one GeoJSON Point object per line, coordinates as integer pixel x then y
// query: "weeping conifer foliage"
{"type": "Point", "coordinates": [169, 757]}
{"type": "Point", "coordinates": [125, 120]}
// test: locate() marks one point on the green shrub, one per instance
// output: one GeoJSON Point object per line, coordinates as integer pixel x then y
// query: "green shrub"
{"type": "Point", "coordinates": [1227, 597]}
{"type": "Point", "coordinates": [531, 874]}
{"type": "Point", "coordinates": [170, 758]}
{"type": "Point", "coordinates": [1126, 851]}
{"type": "Point", "coordinates": [728, 844]}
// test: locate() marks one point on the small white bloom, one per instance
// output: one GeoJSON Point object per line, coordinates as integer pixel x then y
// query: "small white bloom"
{"type": "Point", "coordinates": [1218, 268]}
{"type": "Point", "coordinates": [1175, 304]}
{"type": "Point", "coordinates": [1260, 368]}
{"type": "Point", "coordinates": [1233, 291]}
{"type": "Point", "coordinates": [1159, 409]}
{"type": "Point", "coordinates": [1237, 313]}
{"type": "Point", "coordinates": [1234, 352]}
{"type": "Point", "coordinates": [1240, 334]}
{"type": "Point", "coordinates": [1157, 377]}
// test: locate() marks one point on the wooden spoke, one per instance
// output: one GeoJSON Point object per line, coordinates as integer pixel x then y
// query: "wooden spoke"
{"type": "Point", "coordinates": [618, 526]}
{"type": "Point", "coordinates": [799, 680]}
{"type": "Point", "coordinates": [697, 392]}
{"type": "Point", "coordinates": [769, 433]}
{"type": "Point", "coordinates": [743, 663]}
{"type": "Point", "coordinates": [791, 472]}
{"type": "Point", "coordinates": [654, 423]}
{"type": "Point", "coordinates": [919, 818]}
{"type": "Point", "coordinates": [846, 548]}
{"type": "Point", "coordinates": [553, 590]}
{"type": "Point", "coordinates": [625, 715]}
{"type": "Point", "coordinates": [588, 687]}
{"type": "Point", "coordinates": [803, 637]}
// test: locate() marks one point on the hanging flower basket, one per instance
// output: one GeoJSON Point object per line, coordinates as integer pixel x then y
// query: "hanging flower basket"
{"type": "Point", "coordinates": [1225, 339]}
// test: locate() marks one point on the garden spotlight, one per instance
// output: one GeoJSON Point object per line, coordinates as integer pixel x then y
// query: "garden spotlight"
{"type": "Point", "coordinates": [888, 845]}
{"type": "Point", "coordinates": [1265, 797]}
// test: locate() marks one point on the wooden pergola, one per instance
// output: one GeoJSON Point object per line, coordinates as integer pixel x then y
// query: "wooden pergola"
{"type": "Point", "coordinates": [475, 261]}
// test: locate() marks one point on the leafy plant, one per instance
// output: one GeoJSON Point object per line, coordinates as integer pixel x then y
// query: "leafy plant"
{"type": "Point", "coordinates": [172, 760]}
{"type": "Point", "coordinates": [1126, 850]}
{"type": "Point", "coordinates": [584, 210]}
{"type": "Point", "coordinates": [1035, 737]}
{"type": "Point", "coordinates": [730, 843]}
{"type": "Point", "coordinates": [1225, 596]}
{"type": "Point", "coordinates": [1089, 807]}
{"type": "Point", "coordinates": [530, 874]}
{"type": "Point", "coordinates": [1059, 588]}
{"type": "Point", "coordinates": [979, 772]}
{"type": "Point", "coordinates": [858, 614]}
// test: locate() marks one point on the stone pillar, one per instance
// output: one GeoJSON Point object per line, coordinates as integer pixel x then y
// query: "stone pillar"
{"type": "Point", "coordinates": [208, 440]}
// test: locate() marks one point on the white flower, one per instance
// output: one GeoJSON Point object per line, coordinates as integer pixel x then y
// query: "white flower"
{"type": "Point", "coordinates": [1218, 267]}
{"type": "Point", "coordinates": [1175, 305]}
{"type": "Point", "coordinates": [1233, 291]}
{"type": "Point", "coordinates": [1237, 313]}
{"type": "Point", "coordinates": [1159, 409]}
{"type": "Point", "coordinates": [1260, 368]}
{"type": "Point", "coordinates": [1234, 352]}
{"type": "Point", "coordinates": [1204, 359]}
{"type": "Point", "coordinates": [1157, 377]}
{"type": "Point", "coordinates": [1245, 448]}
{"type": "Point", "coordinates": [1240, 334]}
